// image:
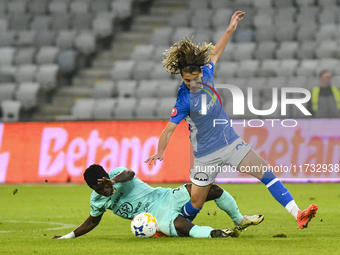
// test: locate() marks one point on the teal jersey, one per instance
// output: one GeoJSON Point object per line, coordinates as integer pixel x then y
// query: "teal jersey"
{"type": "Point", "coordinates": [128, 198]}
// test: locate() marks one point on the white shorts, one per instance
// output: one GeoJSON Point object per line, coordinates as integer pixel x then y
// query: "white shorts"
{"type": "Point", "coordinates": [207, 167]}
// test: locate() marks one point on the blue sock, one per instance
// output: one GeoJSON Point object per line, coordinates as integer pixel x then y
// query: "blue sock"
{"type": "Point", "coordinates": [200, 232]}
{"type": "Point", "coordinates": [189, 212]}
{"type": "Point", "coordinates": [276, 188]}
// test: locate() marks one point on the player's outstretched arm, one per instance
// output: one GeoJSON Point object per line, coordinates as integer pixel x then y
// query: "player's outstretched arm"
{"type": "Point", "coordinates": [89, 224]}
{"type": "Point", "coordinates": [162, 143]}
{"type": "Point", "coordinates": [222, 43]}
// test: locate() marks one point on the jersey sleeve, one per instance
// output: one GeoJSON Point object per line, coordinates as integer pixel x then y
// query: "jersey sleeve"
{"type": "Point", "coordinates": [116, 171]}
{"type": "Point", "coordinates": [97, 211]}
{"type": "Point", "coordinates": [178, 113]}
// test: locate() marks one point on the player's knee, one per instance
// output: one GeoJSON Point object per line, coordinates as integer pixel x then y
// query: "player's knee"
{"type": "Point", "coordinates": [182, 226]}
{"type": "Point", "coordinates": [214, 192]}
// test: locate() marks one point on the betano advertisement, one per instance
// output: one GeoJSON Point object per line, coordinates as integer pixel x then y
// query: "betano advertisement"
{"type": "Point", "coordinates": [61, 151]}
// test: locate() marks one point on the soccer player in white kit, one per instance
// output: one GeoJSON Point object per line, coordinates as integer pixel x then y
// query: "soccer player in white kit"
{"type": "Point", "coordinates": [214, 145]}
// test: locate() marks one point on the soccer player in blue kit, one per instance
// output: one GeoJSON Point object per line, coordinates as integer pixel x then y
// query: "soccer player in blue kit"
{"type": "Point", "coordinates": [127, 196]}
{"type": "Point", "coordinates": [214, 145]}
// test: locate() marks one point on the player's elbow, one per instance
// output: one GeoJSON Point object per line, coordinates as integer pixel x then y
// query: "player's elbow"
{"type": "Point", "coordinates": [130, 174]}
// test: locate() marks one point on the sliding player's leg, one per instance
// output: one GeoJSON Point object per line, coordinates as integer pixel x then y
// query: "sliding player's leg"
{"type": "Point", "coordinates": [276, 188]}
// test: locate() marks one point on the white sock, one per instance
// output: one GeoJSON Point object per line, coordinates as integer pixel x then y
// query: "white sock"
{"type": "Point", "coordinates": [292, 208]}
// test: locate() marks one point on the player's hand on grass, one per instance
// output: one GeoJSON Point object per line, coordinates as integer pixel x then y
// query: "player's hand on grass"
{"type": "Point", "coordinates": [159, 156]}
{"type": "Point", "coordinates": [56, 237]}
{"type": "Point", "coordinates": [106, 181]}
{"type": "Point", "coordinates": [235, 19]}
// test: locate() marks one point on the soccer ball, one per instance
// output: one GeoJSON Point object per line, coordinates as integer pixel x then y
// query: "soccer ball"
{"type": "Point", "coordinates": [144, 225]}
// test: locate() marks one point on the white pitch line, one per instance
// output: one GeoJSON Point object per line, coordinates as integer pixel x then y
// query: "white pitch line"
{"type": "Point", "coordinates": [63, 225]}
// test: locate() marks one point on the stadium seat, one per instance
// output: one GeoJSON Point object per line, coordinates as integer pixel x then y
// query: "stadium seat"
{"type": "Point", "coordinates": [6, 78]}
{"type": "Point", "coordinates": [163, 111]}
{"type": "Point", "coordinates": [158, 54]}
{"type": "Point", "coordinates": [159, 72]}
{"type": "Point", "coordinates": [219, 4]}
{"type": "Point", "coordinates": [143, 69]}
{"type": "Point", "coordinates": [307, 16]}
{"type": "Point", "coordinates": [222, 18]}
{"type": "Point", "coordinates": [202, 35]}
{"type": "Point", "coordinates": [248, 68]}
{"type": "Point", "coordinates": [202, 18]}
{"type": "Point", "coordinates": [125, 108]}
{"type": "Point", "coordinates": [264, 19]}
{"type": "Point", "coordinates": [38, 7]}
{"type": "Point", "coordinates": [147, 88]}
{"type": "Point", "coordinates": [3, 7]}
{"type": "Point", "coordinates": [331, 64]}
{"type": "Point", "coordinates": [27, 94]}
{"type": "Point", "coordinates": [58, 7]}
{"type": "Point", "coordinates": [126, 88]}
{"type": "Point", "coordinates": [66, 39]}
{"type": "Point", "coordinates": [47, 76]}
{"type": "Point", "coordinates": [283, 3]}
{"type": "Point", "coordinates": [103, 108]}
{"type": "Point", "coordinates": [265, 34]}
{"type": "Point", "coordinates": [61, 21]}
{"type": "Point", "coordinates": [326, 49]}
{"type": "Point", "coordinates": [265, 50]}
{"type": "Point", "coordinates": [26, 38]}
{"type": "Point", "coordinates": [307, 68]}
{"type": "Point", "coordinates": [287, 50]}
{"type": "Point", "coordinates": [45, 38]}
{"type": "Point", "coordinates": [7, 38]}
{"type": "Point", "coordinates": [103, 89]}
{"type": "Point", "coordinates": [239, 82]}
{"type": "Point", "coordinates": [7, 91]}
{"type": "Point", "coordinates": [303, 3]}
{"type": "Point", "coordinates": [181, 32]}
{"type": "Point", "coordinates": [123, 69]}
{"type": "Point", "coordinates": [10, 110]}
{"type": "Point", "coordinates": [26, 73]}
{"type": "Point", "coordinates": [7, 56]}
{"type": "Point", "coordinates": [327, 3]}
{"type": "Point", "coordinates": [297, 82]}
{"type": "Point", "coordinates": [326, 32]}
{"type": "Point", "coordinates": [161, 36]}
{"type": "Point", "coordinates": [262, 3]}
{"type": "Point", "coordinates": [244, 51]}
{"type": "Point", "coordinates": [198, 4]}
{"type": "Point", "coordinates": [24, 56]}
{"type": "Point", "coordinates": [146, 108]}
{"type": "Point", "coordinates": [17, 6]}
{"type": "Point", "coordinates": [3, 25]}
{"type": "Point", "coordinates": [78, 6]}
{"type": "Point", "coordinates": [8, 70]}
{"type": "Point", "coordinates": [123, 8]}
{"type": "Point", "coordinates": [244, 35]}
{"type": "Point", "coordinates": [100, 5]}
{"type": "Point", "coordinates": [273, 82]}
{"type": "Point", "coordinates": [143, 52]}
{"type": "Point", "coordinates": [67, 61]}
{"type": "Point", "coordinates": [83, 108]}
{"type": "Point", "coordinates": [307, 50]}
{"type": "Point", "coordinates": [226, 69]}
{"type": "Point", "coordinates": [166, 88]}
{"type": "Point", "coordinates": [180, 18]}
{"type": "Point", "coordinates": [285, 33]}
{"type": "Point", "coordinates": [19, 21]}
{"type": "Point", "coordinates": [287, 67]}
{"type": "Point", "coordinates": [86, 42]}
{"type": "Point", "coordinates": [82, 21]}
{"type": "Point", "coordinates": [47, 55]}
{"type": "Point", "coordinates": [103, 25]}
{"type": "Point", "coordinates": [285, 16]}
{"type": "Point", "coordinates": [269, 68]}
{"type": "Point", "coordinates": [328, 15]}
{"type": "Point", "coordinates": [41, 22]}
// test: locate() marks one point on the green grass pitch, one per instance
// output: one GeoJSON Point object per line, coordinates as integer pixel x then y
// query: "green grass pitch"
{"type": "Point", "coordinates": [35, 213]}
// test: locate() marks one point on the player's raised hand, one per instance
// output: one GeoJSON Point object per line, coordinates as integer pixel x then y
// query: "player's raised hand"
{"type": "Point", "coordinates": [159, 156]}
{"type": "Point", "coordinates": [235, 19]}
{"type": "Point", "coordinates": [106, 181]}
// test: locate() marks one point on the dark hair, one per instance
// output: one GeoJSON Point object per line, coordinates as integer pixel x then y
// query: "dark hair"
{"type": "Point", "coordinates": [93, 173]}
{"type": "Point", "coordinates": [187, 57]}
{"type": "Point", "coordinates": [323, 72]}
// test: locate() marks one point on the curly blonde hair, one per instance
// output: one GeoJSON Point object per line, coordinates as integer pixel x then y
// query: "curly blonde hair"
{"type": "Point", "coordinates": [185, 56]}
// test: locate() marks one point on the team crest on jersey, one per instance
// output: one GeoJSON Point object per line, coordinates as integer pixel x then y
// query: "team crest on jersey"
{"type": "Point", "coordinates": [114, 190]}
{"type": "Point", "coordinates": [174, 112]}
{"type": "Point", "coordinates": [210, 66]}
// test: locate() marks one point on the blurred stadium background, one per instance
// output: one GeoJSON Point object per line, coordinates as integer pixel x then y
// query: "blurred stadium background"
{"type": "Point", "coordinates": [101, 60]}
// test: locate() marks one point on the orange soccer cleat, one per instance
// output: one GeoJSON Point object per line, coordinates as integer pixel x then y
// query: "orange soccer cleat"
{"type": "Point", "coordinates": [305, 216]}
{"type": "Point", "coordinates": [159, 234]}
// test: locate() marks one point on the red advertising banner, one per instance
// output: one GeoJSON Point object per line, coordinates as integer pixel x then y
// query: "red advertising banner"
{"type": "Point", "coordinates": [61, 151]}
